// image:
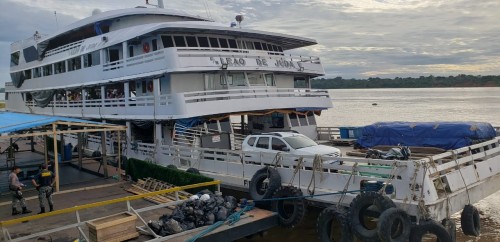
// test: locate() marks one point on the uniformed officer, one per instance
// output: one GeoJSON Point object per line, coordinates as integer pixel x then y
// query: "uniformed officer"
{"type": "Point", "coordinates": [15, 188]}
{"type": "Point", "coordinates": [44, 181]}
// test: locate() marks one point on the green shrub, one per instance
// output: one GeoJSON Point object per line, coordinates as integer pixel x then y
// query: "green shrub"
{"type": "Point", "coordinates": [139, 169]}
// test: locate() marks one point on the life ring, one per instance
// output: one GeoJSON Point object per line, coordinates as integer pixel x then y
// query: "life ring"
{"type": "Point", "coordinates": [451, 226]}
{"type": "Point", "coordinates": [264, 183]}
{"type": "Point", "coordinates": [291, 212]}
{"type": "Point", "coordinates": [333, 218]}
{"type": "Point", "coordinates": [150, 86]}
{"type": "Point", "coordinates": [145, 47]}
{"type": "Point", "coordinates": [193, 171]}
{"type": "Point", "coordinates": [394, 225]}
{"type": "Point", "coordinates": [429, 227]}
{"type": "Point", "coordinates": [470, 220]}
{"type": "Point", "coordinates": [359, 209]}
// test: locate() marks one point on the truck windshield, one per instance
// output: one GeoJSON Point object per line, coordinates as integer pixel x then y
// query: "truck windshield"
{"type": "Point", "coordinates": [298, 142]}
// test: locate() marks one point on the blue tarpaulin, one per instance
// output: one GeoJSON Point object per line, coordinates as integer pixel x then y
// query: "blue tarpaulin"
{"type": "Point", "coordinates": [12, 122]}
{"type": "Point", "coordinates": [445, 135]}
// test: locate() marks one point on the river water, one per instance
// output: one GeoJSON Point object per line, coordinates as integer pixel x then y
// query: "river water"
{"type": "Point", "coordinates": [356, 107]}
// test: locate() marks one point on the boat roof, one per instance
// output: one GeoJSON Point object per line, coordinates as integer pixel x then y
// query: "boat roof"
{"type": "Point", "coordinates": [12, 122]}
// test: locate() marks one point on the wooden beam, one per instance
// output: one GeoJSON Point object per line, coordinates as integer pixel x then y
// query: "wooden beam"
{"type": "Point", "coordinates": [87, 124]}
{"type": "Point", "coordinates": [45, 149]}
{"type": "Point", "coordinates": [62, 132]}
{"type": "Point", "coordinates": [103, 150]}
{"type": "Point", "coordinates": [56, 157]}
{"type": "Point", "coordinates": [80, 150]}
{"type": "Point", "coordinates": [119, 157]}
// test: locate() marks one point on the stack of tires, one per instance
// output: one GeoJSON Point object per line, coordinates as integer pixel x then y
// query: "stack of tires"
{"type": "Point", "coordinates": [373, 217]}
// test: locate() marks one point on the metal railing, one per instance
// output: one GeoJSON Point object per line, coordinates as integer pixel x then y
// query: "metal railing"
{"type": "Point", "coordinates": [76, 209]}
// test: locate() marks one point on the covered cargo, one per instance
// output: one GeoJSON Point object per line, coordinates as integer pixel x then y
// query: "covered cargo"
{"type": "Point", "coordinates": [445, 135]}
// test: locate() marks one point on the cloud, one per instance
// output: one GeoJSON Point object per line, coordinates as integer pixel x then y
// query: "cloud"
{"type": "Point", "coordinates": [357, 38]}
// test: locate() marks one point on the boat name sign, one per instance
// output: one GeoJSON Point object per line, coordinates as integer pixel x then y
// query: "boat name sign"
{"type": "Point", "coordinates": [279, 63]}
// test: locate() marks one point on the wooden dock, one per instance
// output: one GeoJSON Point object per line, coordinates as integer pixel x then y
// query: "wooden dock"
{"type": "Point", "coordinates": [253, 222]}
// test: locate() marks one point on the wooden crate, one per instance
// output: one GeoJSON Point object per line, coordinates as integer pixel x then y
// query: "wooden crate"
{"type": "Point", "coordinates": [113, 228]}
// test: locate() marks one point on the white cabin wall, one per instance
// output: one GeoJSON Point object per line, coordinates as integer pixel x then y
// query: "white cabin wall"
{"type": "Point", "coordinates": [284, 81]}
{"type": "Point", "coordinates": [189, 82]}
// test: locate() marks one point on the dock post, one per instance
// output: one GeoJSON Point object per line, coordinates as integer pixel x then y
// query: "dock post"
{"type": "Point", "coordinates": [119, 156]}
{"type": "Point", "coordinates": [62, 146]}
{"type": "Point", "coordinates": [45, 149]}
{"type": "Point", "coordinates": [56, 158]}
{"type": "Point", "coordinates": [104, 158]}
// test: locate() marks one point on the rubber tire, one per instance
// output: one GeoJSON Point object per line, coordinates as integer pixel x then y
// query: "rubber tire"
{"type": "Point", "coordinates": [357, 210]}
{"type": "Point", "coordinates": [386, 222]}
{"type": "Point", "coordinates": [173, 167]}
{"type": "Point", "coordinates": [451, 226]}
{"type": "Point", "coordinates": [431, 227]}
{"type": "Point", "coordinates": [324, 224]}
{"type": "Point", "coordinates": [96, 154]}
{"type": "Point", "coordinates": [259, 176]}
{"type": "Point", "coordinates": [299, 206]}
{"type": "Point", "coordinates": [193, 171]}
{"type": "Point", "coordinates": [471, 221]}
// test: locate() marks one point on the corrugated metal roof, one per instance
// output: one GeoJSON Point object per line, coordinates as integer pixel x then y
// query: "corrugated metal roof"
{"type": "Point", "coordinates": [12, 122]}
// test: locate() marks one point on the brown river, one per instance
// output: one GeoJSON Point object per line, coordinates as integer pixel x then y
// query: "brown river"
{"type": "Point", "coordinates": [355, 108]}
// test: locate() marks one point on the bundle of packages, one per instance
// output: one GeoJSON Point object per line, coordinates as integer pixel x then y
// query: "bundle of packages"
{"type": "Point", "coordinates": [202, 209]}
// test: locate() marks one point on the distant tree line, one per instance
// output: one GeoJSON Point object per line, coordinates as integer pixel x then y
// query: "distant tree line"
{"type": "Point", "coordinates": [408, 82]}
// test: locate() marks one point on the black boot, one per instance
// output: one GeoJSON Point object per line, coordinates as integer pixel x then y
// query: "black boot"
{"type": "Point", "coordinates": [25, 210]}
{"type": "Point", "coordinates": [51, 208]}
{"type": "Point", "coordinates": [42, 210]}
{"type": "Point", "coordinates": [15, 212]}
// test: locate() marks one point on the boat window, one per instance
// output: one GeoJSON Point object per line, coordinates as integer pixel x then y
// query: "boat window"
{"type": "Point", "coordinates": [264, 46]}
{"type": "Point", "coordinates": [257, 45]}
{"type": "Point", "coordinates": [270, 47]}
{"type": "Point", "coordinates": [251, 141]}
{"type": "Point", "coordinates": [47, 70]}
{"type": "Point", "coordinates": [92, 59]}
{"type": "Point", "coordinates": [27, 74]}
{"type": "Point", "coordinates": [179, 41]}
{"type": "Point", "coordinates": [14, 58]}
{"type": "Point", "coordinates": [293, 120]}
{"type": "Point", "coordinates": [300, 82]}
{"type": "Point", "coordinates": [311, 118]}
{"type": "Point", "coordinates": [154, 44]}
{"type": "Point", "coordinates": [223, 43]}
{"type": "Point", "coordinates": [75, 63]}
{"type": "Point", "coordinates": [203, 41]}
{"type": "Point", "coordinates": [302, 119]}
{"type": "Point", "coordinates": [191, 41]}
{"type": "Point", "coordinates": [250, 45]}
{"type": "Point", "coordinates": [270, 79]}
{"type": "Point", "coordinates": [263, 143]}
{"type": "Point", "coordinates": [232, 43]}
{"type": "Point", "coordinates": [256, 79]}
{"type": "Point", "coordinates": [277, 144]}
{"type": "Point", "coordinates": [299, 141]}
{"type": "Point", "coordinates": [37, 72]}
{"type": "Point", "coordinates": [59, 67]}
{"type": "Point", "coordinates": [236, 79]}
{"type": "Point", "coordinates": [277, 120]}
{"type": "Point", "coordinates": [280, 49]}
{"type": "Point", "coordinates": [30, 54]}
{"type": "Point", "coordinates": [275, 48]}
{"type": "Point", "coordinates": [131, 51]}
{"type": "Point", "coordinates": [167, 41]}
{"type": "Point", "coordinates": [214, 43]}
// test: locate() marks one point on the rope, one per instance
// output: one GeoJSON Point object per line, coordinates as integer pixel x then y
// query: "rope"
{"type": "Point", "coordinates": [344, 191]}
{"type": "Point", "coordinates": [391, 177]}
{"type": "Point", "coordinates": [231, 220]}
{"type": "Point", "coordinates": [461, 175]}
{"type": "Point", "coordinates": [317, 167]}
{"type": "Point", "coordinates": [307, 196]}
{"type": "Point", "coordinates": [296, 170]}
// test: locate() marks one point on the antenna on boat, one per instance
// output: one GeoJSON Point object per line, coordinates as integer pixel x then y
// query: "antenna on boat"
{"type": "Point", "coordinates": [160, 4]}
{"type": "Point", "coordinates": [239, 18]}
{"type": "Point", "coordinates": [57, 22]}
{"type": "Point", "coordinates": [207, 10]}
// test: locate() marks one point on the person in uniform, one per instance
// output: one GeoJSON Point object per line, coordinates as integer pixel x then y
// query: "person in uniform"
{"type": "Point", "coordinates": [15, 188]}
{"type": "Point", "coordinates": [44, 181]}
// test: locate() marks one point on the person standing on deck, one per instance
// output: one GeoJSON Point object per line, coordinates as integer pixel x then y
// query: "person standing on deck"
{"type": "Point", "coordinates": [44, 181]}
{"type": "Point", "coordinates": [15, 188]}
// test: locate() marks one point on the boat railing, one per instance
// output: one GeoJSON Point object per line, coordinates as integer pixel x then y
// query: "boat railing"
{"type": "Point", "coordinates": [204, 96]}
{"type": "Point", "coordinates": [113, 65]}
{"type": "Point", "coordinates": [328, 133]}
{"type": "Point", "coordinates": [229, 52]}
{"type": "Point", "coordinates": [63, 48]}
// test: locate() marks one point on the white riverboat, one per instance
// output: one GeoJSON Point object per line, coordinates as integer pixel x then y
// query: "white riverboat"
{"type": "Point", "coordinates": [178, 82]}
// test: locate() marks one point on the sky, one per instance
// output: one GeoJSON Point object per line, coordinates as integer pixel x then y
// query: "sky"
{"type": "Point", "coordinates": [356, 38]}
